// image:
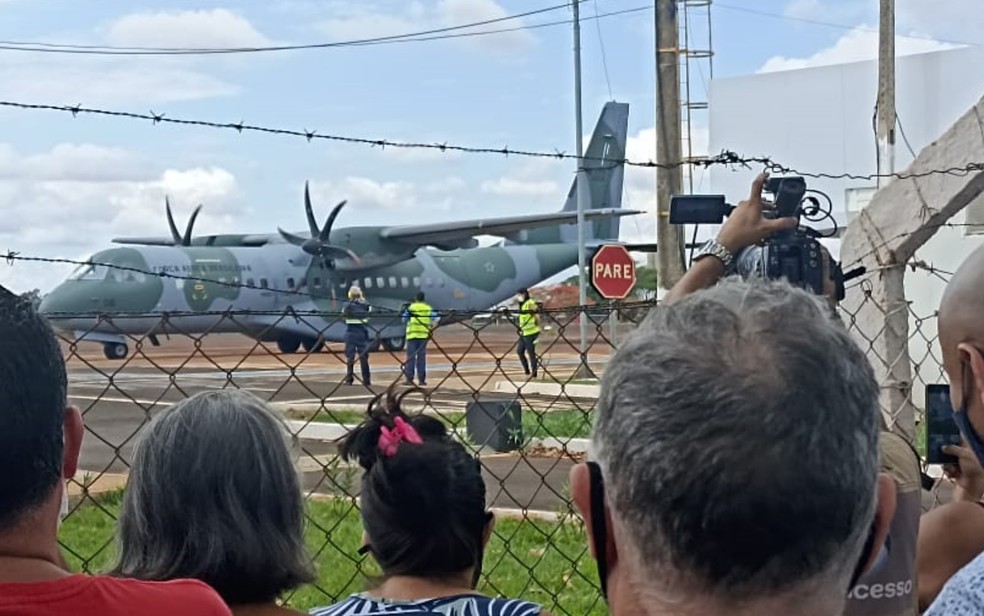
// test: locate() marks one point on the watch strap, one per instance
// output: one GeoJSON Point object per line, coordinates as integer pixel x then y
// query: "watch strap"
{"type": "Point", "coordinates": [713, 248]}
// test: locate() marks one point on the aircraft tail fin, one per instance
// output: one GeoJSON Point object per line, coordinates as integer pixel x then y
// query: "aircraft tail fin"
{"type": "Point", "coordinates": [605, 180]}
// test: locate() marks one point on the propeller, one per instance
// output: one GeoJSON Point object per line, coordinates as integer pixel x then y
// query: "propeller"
{"type": "Point", "coordinates": [180, 240]}
{"type": "Point", "coordinates": [317, 245]}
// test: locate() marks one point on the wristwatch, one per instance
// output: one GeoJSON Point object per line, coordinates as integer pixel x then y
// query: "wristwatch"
{"type": "Point", "coordinates": [714, 249]}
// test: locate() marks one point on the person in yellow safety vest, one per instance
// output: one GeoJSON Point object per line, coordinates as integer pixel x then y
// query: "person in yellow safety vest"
{"type": "Point", "coordinates": [421, 319]}
{"type": "Point", "coordinates": [529, 331]}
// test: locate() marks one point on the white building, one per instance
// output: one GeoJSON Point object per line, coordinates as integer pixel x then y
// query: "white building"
{"type": "Point", "coordinates": [820, 120]}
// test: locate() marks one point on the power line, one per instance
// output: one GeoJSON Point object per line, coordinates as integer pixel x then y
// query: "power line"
{"type": "Point", "coordinates": [601, 44]}
{"type": "Point", "coordinates": [827, 24]}
{"type": "Point", "coordinates": [423, 35]}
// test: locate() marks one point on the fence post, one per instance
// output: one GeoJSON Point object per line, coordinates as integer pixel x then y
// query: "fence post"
{"type": "Point", "coordinates": [885, 235]}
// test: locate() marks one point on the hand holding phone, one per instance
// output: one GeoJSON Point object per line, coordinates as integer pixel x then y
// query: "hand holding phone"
{"type": "Point", "coordinates": [941, 429]}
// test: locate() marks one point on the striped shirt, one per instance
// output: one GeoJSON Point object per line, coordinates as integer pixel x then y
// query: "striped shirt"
{"type": "Point", "coordinates": [362, 604]}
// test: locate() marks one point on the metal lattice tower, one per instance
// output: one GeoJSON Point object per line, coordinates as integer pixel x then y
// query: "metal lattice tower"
{"type": "Point", "coordinates": [696, 61]}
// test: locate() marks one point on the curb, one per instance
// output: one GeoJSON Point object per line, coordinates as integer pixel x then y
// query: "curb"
{"type": "Point", "coordinates": [502, 513]}
{"type": "Point", "coordinates": [570, 390]}
{"type": "Point", "coordinates": [320, 431]}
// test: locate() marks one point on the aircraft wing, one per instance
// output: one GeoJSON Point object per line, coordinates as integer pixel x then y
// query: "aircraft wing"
{"type": "Point", "coordinates": [247, 240]}
{"type": "Point", "coordinates": [446, 233]}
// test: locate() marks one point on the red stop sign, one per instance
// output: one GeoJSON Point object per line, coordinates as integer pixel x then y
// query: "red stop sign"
{"type": "Point", "coordinates": [613, 271]}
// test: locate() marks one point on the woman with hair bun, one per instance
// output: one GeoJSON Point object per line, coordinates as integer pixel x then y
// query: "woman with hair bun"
{"type": "Point", "coordinates": [425, 519]}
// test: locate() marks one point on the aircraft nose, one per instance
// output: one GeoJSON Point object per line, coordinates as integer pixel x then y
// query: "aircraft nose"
{"type": "Point", "coordinates": [54, 302]}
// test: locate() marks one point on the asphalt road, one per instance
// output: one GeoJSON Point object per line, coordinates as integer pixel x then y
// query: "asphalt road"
{"type": "Point", "coordinates": [118, 398]}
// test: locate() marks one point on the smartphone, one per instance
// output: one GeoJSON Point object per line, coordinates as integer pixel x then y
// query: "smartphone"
{"type": "Point", "coordinates": [941, 429]}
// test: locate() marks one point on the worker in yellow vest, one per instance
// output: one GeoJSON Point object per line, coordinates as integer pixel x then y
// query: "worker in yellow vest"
{"type": "Point", "coordinates": [421, 319]}
{"type": "Point", "coordinates": [529, 331]}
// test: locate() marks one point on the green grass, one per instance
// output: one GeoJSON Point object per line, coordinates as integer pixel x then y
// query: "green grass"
{"type": "Point", "coordinates": [538, 561]}
{"type": "Point", "coordinates": [560, 423]}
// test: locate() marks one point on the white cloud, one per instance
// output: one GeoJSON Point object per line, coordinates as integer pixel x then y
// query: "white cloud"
{"type": "Point", "coordinates": [144, 80]}
{"type": "Point", "coordinates": [950, 19]}
{"type": "Point", "coordinates": [366, 195]}
{"type": "Point", "coordinates": [514, 187]}
{"type": "Point", "coordinates": [640, 182]}
{"type": "Point", "coordinates": [459, 12]}
{"type": "Point", "coordinates": [206, 28]}
{"type": "Point", "coordinates": [366, 20]}
{"type": "Point", "coordinates": [419, 155]}
{"type": "Point", "coordinates": [857, 45]}
{"type": "Point", "coordinates": [53, 210]}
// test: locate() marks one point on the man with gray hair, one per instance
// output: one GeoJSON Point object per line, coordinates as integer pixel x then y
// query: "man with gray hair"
{"type": "Point", "coordinates": [734, 459]}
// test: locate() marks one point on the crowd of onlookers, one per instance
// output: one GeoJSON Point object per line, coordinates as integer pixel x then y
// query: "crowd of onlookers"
{"type": "Point", "coordinates": [739, 465]}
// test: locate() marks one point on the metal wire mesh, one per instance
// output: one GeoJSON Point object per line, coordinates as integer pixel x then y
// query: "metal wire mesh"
{"type": "Point", "coordinates": [538, 550]}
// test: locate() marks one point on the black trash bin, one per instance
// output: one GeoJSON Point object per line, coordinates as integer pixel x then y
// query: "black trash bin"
{"type": "Point", "coordinates": [496, 422]}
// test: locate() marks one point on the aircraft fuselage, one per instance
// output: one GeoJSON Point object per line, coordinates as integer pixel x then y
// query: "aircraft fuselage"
{"type": "Point", "coordinates": [150, 290]}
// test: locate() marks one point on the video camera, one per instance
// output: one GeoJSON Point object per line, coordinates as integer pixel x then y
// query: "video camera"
{"type": "Point", "coordinates": [792, 254]}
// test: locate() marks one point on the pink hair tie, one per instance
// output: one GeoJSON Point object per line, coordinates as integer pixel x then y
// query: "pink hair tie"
{"type": "Point", "coordinates": [389, 440]}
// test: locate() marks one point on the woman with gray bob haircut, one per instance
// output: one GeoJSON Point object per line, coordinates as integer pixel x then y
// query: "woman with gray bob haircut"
{"type": "Point", "coordinates": [213, 495]}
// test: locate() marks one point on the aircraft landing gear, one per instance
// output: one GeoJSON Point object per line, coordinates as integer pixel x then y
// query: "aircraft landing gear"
{"type": "Point", "coordinates": [115, 350]}
{"type": "Point", "coordinates": [313, 345]}
{"type": "Point", "coordinates": [288, 344]}
{"type": "Point", "coordinates": [292, 344]}
{"type": "Point", "coordinates": [394, 345]}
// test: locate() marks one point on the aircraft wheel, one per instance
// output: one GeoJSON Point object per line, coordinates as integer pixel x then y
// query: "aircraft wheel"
{"type": "Point", "coordinates": [115, 350]}
{"type": "Point", "coordinates": [313, 345]}
{"type": "Point", "coordinates": [288, 344]}
{"type": "Point", "coordinates": [395, 344]}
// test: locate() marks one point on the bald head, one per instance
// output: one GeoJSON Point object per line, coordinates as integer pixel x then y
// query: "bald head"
{"type": "Point", "coordinates": [961, 314]}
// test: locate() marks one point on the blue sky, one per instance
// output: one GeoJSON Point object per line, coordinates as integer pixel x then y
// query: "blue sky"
{"type": "Point", "coordinates": [68, 185]}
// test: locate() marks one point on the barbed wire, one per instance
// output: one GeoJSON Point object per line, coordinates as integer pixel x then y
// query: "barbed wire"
{"type": "Point", "coordinates": [724, 158]}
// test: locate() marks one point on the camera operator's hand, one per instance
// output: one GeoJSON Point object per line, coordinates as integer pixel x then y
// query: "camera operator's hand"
{"type": "Point", "coordinates": [746, 226]}
{"type": "Point", "coordinates": [967, 473]}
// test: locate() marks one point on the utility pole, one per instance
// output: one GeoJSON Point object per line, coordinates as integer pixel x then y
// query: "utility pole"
{"type": "Point", "coordinates": [583, 370]}
{"type": "Point", "coordinates": [886, 92]}
{"type": "Point", "coordinates": [669, 253]}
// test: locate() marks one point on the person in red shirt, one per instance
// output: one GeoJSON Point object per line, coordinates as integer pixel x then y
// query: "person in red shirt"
{"type": "Point", "coordinates": [40, 441]}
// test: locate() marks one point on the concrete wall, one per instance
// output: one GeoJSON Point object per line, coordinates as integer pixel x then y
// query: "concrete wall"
{"type": "Point", "coordinates": [819, 120]}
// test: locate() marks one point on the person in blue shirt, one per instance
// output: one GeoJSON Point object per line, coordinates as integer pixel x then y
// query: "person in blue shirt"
{"type": "Point", "coordinates": [355, 313]}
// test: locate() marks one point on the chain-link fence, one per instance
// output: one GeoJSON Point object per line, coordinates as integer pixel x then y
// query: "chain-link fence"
{"type": "Point", "coordinates": [527, 431]}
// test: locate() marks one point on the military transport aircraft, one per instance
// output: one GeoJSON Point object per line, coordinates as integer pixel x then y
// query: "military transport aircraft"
{"type": "Point", "coordinates": [256, 278]}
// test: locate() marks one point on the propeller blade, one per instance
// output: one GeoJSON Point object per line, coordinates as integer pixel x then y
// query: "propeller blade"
{"type": "Point", "coordinates": [293, 239]}
{"type": "Point", "coordinates": [331, 221]}
{"type": "Point", "coordinates": [170, 222]}
{"type": "Point", "coordinates": [312, 224]}
{"type": "Point", "coordinates": [186, 241]}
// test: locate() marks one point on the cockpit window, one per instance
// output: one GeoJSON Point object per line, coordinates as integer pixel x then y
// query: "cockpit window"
{"type": "Point", "coordinates": [88, 271]}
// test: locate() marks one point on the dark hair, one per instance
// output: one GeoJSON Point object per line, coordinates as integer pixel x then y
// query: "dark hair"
{"type": "Point", "coordinates": [423, 507]}
{"type": "Point", "coordinates": [213, 495]}
{"type": "Point", "coordinates": [33, 398]}
{"type": "Point", "coordinates": [420, 296]}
